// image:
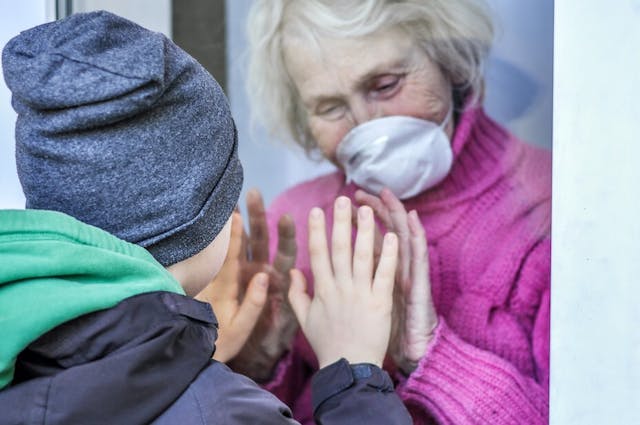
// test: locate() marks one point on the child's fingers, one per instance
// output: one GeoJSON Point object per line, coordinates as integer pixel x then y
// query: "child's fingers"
{"type": "Point", "coordinates": [377, 238]}
{"type": "Point", "coordinates": [341, 241]}
{"type": "Point", "coordinates": [225, 285]}
{"type": "Point", "coordinates": [319, 252]}
{"type": "Point", "coordinates": [249, 311]}
{"type": "Point", "coordinates": [244, 246]}
{"type": "Point", "coordinates": [364, 247]}
{"type": "Point", "coordinates": [385, 273]}
{"type": "Point", "coordinates": [298, 297]}
{"type": "Point", "coordinates": [227, 279]}
{"type": "Point", "coordinates": [235, 241]}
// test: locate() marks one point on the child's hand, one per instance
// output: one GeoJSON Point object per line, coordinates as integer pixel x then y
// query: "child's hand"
{"type": "Point", "coordinates": [350, 313]}
{"type": "Point", "coordinates": [236, 319]}
{"type": "Point", "coordinates": [415, 316]}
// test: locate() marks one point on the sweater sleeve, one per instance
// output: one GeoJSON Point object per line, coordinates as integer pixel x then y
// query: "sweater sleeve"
{"type": "Point", "coordinates": [458, 383]}
{"type": "Point", "coordinates": [290, 374]}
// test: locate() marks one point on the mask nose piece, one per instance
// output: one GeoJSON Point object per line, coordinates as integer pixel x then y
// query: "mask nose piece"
{"type": "Point", "coordinates": [408, 155]}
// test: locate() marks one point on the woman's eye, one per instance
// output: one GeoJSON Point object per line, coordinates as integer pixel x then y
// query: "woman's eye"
{"type": "Point", "coordinates": [331, 111]}
{"type": "Point", "coordinates": [385, 86]}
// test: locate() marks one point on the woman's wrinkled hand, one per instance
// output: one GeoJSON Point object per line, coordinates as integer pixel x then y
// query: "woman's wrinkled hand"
{"type": "Point", "coordinates": [415, 317]}
{"type": "Point", "coordinates": [276, 327]}
{"type": "Point", "coordinates": [236, 317]}
{"type": "Point", "coordinates": [350, 313]}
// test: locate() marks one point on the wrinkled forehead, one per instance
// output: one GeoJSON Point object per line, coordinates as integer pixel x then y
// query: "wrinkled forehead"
{"type": "Point", "coordinates": [323, 62]}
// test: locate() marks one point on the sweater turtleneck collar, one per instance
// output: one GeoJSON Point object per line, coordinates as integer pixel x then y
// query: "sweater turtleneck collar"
{"type": "Point", "coordinates": [482, 154]}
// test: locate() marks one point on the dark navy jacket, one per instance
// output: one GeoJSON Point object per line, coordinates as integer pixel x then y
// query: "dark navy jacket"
{"type": "Point", "coordinates": [148, 360]}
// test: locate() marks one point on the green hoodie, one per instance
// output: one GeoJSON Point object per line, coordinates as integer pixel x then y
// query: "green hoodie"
{"type": "Point", "coordinates": [54, 268]}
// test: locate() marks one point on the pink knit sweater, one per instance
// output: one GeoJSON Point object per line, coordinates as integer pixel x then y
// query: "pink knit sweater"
{"type": "Point", "coordinates": [488, 230]}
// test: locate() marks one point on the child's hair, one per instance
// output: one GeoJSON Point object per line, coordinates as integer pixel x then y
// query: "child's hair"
{"type": "Point", "coordinates": [121, 129]}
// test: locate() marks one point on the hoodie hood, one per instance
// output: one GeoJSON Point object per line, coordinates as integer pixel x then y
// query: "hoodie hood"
{"type": "Point", "coordinates": [54, 268]}
{"type": "Point", "coordinates": [124, 365]}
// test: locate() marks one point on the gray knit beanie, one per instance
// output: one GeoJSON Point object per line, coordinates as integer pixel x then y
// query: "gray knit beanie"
{"type": "Point", "coordinates": [121, 129]}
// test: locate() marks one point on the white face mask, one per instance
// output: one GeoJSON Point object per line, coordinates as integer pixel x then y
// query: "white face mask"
{"type": "Point", "coordinates": [408, 155]}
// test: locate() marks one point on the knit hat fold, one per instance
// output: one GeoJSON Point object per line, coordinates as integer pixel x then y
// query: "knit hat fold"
{"type": "Point", "coordinates": [121, 129]}
{"type": "Point", "coordinates": [88, 60]}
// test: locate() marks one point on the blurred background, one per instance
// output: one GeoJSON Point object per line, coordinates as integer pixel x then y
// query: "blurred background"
{"type": "Point", "coordinates": [519, 75]}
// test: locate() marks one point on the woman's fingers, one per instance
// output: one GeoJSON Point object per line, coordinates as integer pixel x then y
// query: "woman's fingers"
{"type": "Point", "coordinates": [419, 258]}
{"type": "Point", "coordinates": [364, 198]}
{"type": "Point", "coordinates": [400, 225]}
{"type": "Point", "coordinates": [319, 252]}
{"type": "Point", "coordinates": [420, 294]}
{"type": "Point", "coordinates": [259, 239]}
{"type": "Point", "coordinates": [298, 297]}
{"type": "Point", "coordinates": [287, 249]}
{"type": "Point", "coordinates": [341, 241]}
{"type": "Point", "coordinates": [364, 247]}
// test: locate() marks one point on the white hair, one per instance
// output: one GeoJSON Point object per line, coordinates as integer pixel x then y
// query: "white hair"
{"type": "Point", "coordinates": [456, 34]}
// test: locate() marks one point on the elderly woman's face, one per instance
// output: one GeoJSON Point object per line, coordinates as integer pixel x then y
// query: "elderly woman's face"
{"type": "Point", "coordinates": [357, 80]}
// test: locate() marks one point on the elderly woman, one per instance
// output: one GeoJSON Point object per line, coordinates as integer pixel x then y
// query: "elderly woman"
{"type": "Point", "coordinates": [391, 93]}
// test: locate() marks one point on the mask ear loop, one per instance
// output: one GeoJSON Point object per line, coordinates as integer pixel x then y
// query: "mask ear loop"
{"type": "Point", "coordinates": [447, 117]}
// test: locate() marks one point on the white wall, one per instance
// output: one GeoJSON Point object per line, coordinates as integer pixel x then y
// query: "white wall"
{"type": "Point", "coordinates": [519, 90]}
{"type": "Point", "coordinates": [595, 327]}
{"type": "Point", "coordinates": [152, 14]}
{"type": "Point", "coordinates": [15, 16]}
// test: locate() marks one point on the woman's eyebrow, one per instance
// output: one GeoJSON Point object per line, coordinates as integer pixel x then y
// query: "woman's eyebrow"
{"type": "Point", "coordinates": [315, 100]}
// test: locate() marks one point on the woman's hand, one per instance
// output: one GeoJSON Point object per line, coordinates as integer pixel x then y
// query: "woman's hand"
{"type": "Point", "coordinates": [415, 317]}
{"type": "Point", "coordinates": [350, 313]}
{"type": "Point", "coordinates": [236, 319]}
{"type": "Point", "coordinates": [276, 327]}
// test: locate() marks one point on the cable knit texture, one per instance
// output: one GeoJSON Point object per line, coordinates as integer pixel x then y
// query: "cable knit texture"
{"type": "Point", "coordinates": [488, 230]}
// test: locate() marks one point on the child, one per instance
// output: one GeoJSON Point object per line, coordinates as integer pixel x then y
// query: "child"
{"type": "Point", "coordinates": [127, 155]}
